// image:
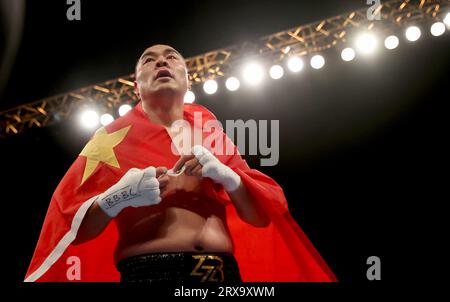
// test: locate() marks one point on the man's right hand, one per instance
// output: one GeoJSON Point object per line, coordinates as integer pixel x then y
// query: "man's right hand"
{"type": "Point", "coordinates": [136, 188]}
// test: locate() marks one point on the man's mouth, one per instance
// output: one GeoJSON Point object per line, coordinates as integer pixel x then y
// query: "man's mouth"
{"type": "Point", "coordinates": [163, 73]}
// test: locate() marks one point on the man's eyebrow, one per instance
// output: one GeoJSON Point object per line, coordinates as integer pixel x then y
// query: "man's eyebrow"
{"type": "Point", "coordinates": [165, 52]}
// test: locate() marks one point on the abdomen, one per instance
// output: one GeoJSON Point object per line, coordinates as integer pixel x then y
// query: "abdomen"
{"type": "Point", "coordinates": [193, 226]}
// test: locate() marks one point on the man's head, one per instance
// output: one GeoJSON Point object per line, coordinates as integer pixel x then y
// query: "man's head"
{"type": "Point", "coordinates": [161, 72]}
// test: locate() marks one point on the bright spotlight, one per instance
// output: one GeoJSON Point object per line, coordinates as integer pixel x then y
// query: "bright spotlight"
{"type": "Point", "coordinates": [232, 84]}
{"type": "Point", "coordinates": [276, 72]}
{"type": "Point", "coordinates": [106, 119]}
{"type": "Point", "coordinates": [366, 43]}
{"type": "Point", "coordinates": [253, 73]}
{"type": "Point", "coordinates": [413, 33]}
{"type": "Point", "coordinates": [124, 109]}
{"type": "Point", "coordinates": [391, 42]}
{"type": "Point", "coordinates": [317, 62]}
{"type": "Point", "coordinates": [437, 29]}
{"type": "Point", "coordinates": [210, 86]}
{"type": "Point", "coordinates": [447, 19]}
{"type": "Point", "coordinates": [189, 97]}
{"type": "Point", "coordinates": [89, 119]}
{"type": "Point", "coordinates": [347, 54]}
{"type": "Point", "coordinates": [295, 64]}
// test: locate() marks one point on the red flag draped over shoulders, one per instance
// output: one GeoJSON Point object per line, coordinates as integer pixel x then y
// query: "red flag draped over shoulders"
{"type": "Point", "coordinates": [279, 252]}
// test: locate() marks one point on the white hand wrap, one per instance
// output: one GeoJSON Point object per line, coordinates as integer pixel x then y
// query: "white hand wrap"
{"type": "Point", "coordinates": [136, 188]}
{"type": "Point", "coordinates": [214, 169]}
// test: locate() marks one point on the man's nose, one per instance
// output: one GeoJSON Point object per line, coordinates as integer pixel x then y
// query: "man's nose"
{"type": "Point", "coordinates": [161, 61]}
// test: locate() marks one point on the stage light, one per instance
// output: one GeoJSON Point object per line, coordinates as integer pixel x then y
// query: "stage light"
{"type": "Point", "coordinates": [317, 62]}
{"type": "Point", "coordinates": [89, 119]}
{"type": "Point", "coordinates": [447, 19]}
{"type": "Point", "coordinates": [106, 119]}
{"type": "Point", "coordinates": [189, 97]}
{"type": "Point", "coordinates": [366, 43]}
{"type": "Point", "coordinates": [253, 73]}
{"type": "Point", "coordinates": [124, 109]}
{"type": "Point", "coordinates": [276, 72]}
{"type": "Point", "coordinates": [232, 84]}
{"type": "Point", "coordinates": [413, 33]}
{"type": "Point", "coordinates": [437, 29]}
{"type": "Point", "coordinates": [210, 86]}
{"type": "Point", "coordinates": [295, 64]}
{"type": "Point", "coordinates": [391, 42]}
{"type": "Point", "coordinates": [347, 54]}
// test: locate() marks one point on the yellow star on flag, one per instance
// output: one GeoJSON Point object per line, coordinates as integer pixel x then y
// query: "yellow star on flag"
{"type": "Point", "coordinates": [100, 150]}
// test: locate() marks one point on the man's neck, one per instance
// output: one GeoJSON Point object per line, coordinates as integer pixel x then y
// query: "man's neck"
{"type": "Point", "coordinates": [163, 112]}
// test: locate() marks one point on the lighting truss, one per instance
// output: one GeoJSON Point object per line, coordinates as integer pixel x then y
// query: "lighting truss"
{"type": "Point", "coordinates": [302, 40]}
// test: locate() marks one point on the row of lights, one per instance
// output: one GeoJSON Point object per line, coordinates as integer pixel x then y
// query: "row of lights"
{"type": "Point", "coordinates": [253, 73]}
{"type": "Point", "coordinates": [90, 118]}
{"type": "Point", "coordinates": [366, 44]}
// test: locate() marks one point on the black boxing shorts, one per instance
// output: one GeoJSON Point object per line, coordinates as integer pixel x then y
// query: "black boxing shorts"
{"type": "Point", "coordinates": [180, 267]}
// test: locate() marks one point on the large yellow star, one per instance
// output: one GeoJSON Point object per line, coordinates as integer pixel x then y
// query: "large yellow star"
{"type": "Point", "coordinates": [100, 150]}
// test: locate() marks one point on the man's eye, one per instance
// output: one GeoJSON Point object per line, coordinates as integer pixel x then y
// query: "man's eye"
{"type": "Point", "coordinates": [148, 60]}
{"type": "Point", "coordinates": [171, 57]}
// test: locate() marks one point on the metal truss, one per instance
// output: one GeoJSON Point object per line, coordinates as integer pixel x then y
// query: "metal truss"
{"type": "Point", "coordinates": [302, 40]}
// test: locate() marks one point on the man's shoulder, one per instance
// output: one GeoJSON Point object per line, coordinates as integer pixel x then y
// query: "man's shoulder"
{"type": "Point", "coordinates": [191, 108]}
{"type": "Point", "coordinates": [195, 107]}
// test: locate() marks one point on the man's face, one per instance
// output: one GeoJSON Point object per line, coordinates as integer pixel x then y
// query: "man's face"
{"type": "Point", "coordinates": [161, 70]}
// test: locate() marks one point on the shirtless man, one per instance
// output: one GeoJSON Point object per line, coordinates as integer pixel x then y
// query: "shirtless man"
{"type": "Point", "coordinates": [157, 221]}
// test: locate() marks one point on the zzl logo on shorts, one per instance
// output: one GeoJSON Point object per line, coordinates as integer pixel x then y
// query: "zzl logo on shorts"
{"type": "Point", "coordinates": [209, 267]}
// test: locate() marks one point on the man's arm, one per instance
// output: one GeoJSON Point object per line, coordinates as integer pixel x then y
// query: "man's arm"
{"type": "Point", "coordinates": [100, 213]}
{"type": "Point", "coordinates": [94, 222]}
{"type": "Point", "coordinates": [247, 209]}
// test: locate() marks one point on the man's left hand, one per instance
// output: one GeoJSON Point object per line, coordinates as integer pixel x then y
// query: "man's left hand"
{"type": "Point", "coordinates": [202, 163]}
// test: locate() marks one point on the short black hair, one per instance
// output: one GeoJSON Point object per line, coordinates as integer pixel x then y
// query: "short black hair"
{"type": "Point", "coordinates": [139, 59]}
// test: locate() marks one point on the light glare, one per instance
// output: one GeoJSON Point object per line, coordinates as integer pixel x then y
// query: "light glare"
{"type": "Point", "coordinates": [413, 33]}
{"type": "Point", "coordinates": [210, 86]}
{"type": "Point", "coordinates": [366, 43]}
{"type": "Point", "coordinates": [437, 29]}
{"type": "Point", "coordinates": [232, 84]}
{"type": "Point", "coordinates": [317, 62]}
{"type": "Point", "coordinates": [295, 64]}
{"type": "Point", "coordinates": [89, 119]}
{"type": "Point", "coordinates": [276, 72]}
{"type": "Point", "coordinates": [189, 97]}
{"type": "Point", "coordinates": [106, 119]}
{"type": "Point", "coordinates": [447, 19]}
{"type": "Point", "coordinates": [348, 54]}
{"type": "Point", "coordinates": [391, 42]}
{"type": "Point", "coordinates": [124, 109]}
{"type": "Point", "coordinates": [253, 73]}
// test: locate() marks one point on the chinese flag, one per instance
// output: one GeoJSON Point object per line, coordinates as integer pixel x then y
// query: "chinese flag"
{"type": "Point", "coordinates": [278, 252]}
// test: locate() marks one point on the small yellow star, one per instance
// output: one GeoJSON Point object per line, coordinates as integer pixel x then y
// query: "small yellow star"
{"type": "Point", "coordinates": [100, 150]}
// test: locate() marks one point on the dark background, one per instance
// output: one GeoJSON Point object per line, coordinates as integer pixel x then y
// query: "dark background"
{"type": "Point", "coordinates": [361, 143]}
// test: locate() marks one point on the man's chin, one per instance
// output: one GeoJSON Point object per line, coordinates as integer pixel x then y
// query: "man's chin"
{"type": "Point", "coordinates": [166, 91]}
